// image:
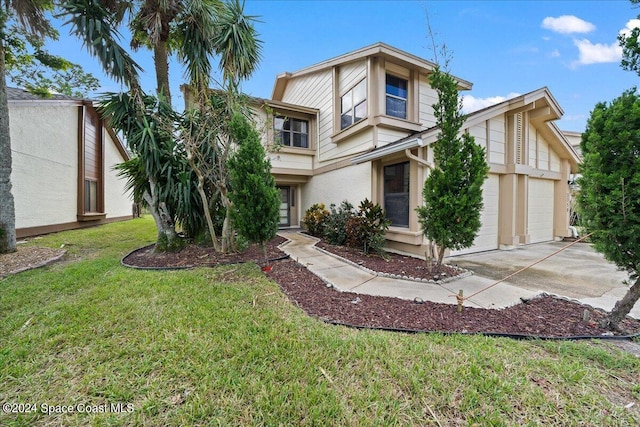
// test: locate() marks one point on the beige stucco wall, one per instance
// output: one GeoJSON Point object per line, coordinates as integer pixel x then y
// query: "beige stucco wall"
{"type": "Point", "coordinates": [44, 147]}
{"type": "Point", "coordinates": [117, 201]}
{"type": "Point", "coordinates": [44, 154]}
{"type": "Point", "coordinates": [352, 184]}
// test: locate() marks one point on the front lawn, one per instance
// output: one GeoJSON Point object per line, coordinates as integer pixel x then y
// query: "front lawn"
{"type": "Point", "coordinates": [116, 346]}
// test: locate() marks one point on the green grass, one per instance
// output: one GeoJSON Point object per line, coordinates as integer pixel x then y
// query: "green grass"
{"type": "Point", "coordinates": [224, 346]}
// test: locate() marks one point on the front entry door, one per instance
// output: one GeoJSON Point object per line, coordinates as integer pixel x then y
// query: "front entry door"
{"type": "Point", "coordinates": [285, 206]}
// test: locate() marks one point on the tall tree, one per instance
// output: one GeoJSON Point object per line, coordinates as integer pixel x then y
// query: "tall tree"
{"type": "Point", "coordinates": [255, 198]}
{"type": "Point", "coordinates": [609, 198]}
{"type": "Point", "coordinates": [450, 216]}
{"type": "Point", "coordinates": [196, 31]}
{"type": "Point", "coordinates": [628, 40]}
{"type": "Point", "coordinates": [31, 66]}
{"type": "Point", "coordinates": [30, 14]}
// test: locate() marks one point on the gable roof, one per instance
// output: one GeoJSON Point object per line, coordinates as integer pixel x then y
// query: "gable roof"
{"type": "Point", "coordinates": [16, 94]}
{"type": "Point", "coordinates": [541, 100]}
{"type": "Point", "coordinates": [379, 49]}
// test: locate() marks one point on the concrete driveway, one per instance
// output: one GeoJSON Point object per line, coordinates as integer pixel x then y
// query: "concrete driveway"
{"type": "Point", "coordinates": [577, 272]}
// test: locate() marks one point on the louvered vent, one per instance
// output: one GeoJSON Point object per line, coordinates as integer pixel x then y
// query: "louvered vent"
{"type": "Point", "coordinates": [519, 138]}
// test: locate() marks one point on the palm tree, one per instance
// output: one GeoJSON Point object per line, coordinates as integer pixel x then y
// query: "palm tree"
{"type": "Point", "coordinates": [196, 30]}
{"type": "Point", "coordinates": [30, 14]}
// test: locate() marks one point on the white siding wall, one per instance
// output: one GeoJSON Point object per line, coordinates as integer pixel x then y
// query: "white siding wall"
{"type": "Point", "coordinates": [479, 134]}
{"type": "Point", "coordinates": [543, 154]}
{"type": "Point", "coordinates": [554, 161]}
{"type": "Point", "coordinates": [352, 184]}
{"type": "Point", "coordinates": [351, 74]}
{"type": "Point", "coordinates": [291, 161]}
{"type": "Point", "coordinates": [117, 202]}
{"type": "Point", "coordinates": [358, 143]}
{"type": "Point", "coordinates": [260, 120]}
{"type": "Point", "coordinates": [428, 97]}
{"type": "Point", "coordinates": [315, 91]}
{"type": "Point", "coordinates": [387, 136]}
{"type": "Point", "coordinates": [533, 146]}
{"type": "Point", "coordinates": [45, 158]}
{"type": "Point", "coordinates": [497, 140]}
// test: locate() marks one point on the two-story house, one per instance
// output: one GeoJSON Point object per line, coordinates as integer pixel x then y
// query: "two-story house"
{"type": "Point", "coordinates": [360, 126]}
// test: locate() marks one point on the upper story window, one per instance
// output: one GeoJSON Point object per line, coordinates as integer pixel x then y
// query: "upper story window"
{"type": "Point", "coordinates": [291, 132]}
{"type": "Point", "coordinates": [396, 89]}
{"type": "Point", "coordinates": [353, 105]}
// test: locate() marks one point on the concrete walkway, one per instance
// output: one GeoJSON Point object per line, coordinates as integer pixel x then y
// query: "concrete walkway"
{"type": "Point", "coordinates": [347, 277]}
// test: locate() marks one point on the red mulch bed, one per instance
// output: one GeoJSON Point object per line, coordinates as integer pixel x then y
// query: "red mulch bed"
{"type": "Point", "coordinates": [197, 256]}
{"type": "Point", "coordinates": [392, 264]}
{"type": "Point", "coordinates": [545, 316]}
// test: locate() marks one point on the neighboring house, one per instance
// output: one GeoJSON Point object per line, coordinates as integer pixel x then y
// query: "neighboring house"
{"type": "Point", "coordinates": [62, 160]}
{"type": "Point", "coordinates": [574, 139]}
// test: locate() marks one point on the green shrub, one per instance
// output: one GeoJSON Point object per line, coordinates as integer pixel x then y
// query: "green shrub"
{"type": "Point", "coordinates": [315, 219]}
{"type": "Point", "coordinates": [366, 229]}
{"type": "Point", "coordinates": [335, 229]}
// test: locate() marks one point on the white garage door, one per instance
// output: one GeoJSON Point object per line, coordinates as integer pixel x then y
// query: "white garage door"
{"type": "Point", "coordinates": [541, 210]}
{"type": "Point", "coordinates": [487, 238]}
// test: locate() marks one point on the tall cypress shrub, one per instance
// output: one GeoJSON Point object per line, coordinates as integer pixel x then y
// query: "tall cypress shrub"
{"type": "Point", "coordinates": [255, 198]}
{"type": "Point", "coordinates": [450, 216]}
{"type": "Point", "coordinates": [609, 197]}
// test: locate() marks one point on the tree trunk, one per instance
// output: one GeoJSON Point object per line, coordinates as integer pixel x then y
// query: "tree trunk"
{"type": "Point", "coordinates": [161, 63]}
{"type": "Point", "coordinates": [441, 252]}
{"type": "Point", "coordinates": [228, 242]}
{"type": "Point", "coordinates": [205, 202]}
{"type": "Point", "coordinates": [167, 240]}
{"type": "Point", "coordinates": [622, 307]}
{"type": "Point", "coordinates": [7, 208]}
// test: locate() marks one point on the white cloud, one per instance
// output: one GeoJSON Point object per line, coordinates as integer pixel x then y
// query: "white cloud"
{"type": "Point", "coordinates": [567, 24]}
{"type": "Point", "coordinates": [470, 103]}
{"type": "Point", "coordinates": [555, 53]}
{"type": "Point", "coordinates": [597, 53]}
{"type": "Point", "coordinates": [633, 23]}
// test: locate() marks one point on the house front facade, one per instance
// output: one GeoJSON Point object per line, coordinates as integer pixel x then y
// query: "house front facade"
{"type": "Point", "coordinates": [62, 165]}
{"type": "Point", "coordinates": [361, 126]}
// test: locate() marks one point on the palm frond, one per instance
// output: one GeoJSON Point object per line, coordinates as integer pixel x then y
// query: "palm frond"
{"type": "Point", "coordinates": [96, 27]}
{"type": "Point", "coordinates": [31, 15]}
{"type": "Point", "coordinates": [236, 41]}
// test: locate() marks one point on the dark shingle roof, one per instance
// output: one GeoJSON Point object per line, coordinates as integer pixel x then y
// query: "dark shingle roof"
{"type": "Point", "coordinates": [15, 94]}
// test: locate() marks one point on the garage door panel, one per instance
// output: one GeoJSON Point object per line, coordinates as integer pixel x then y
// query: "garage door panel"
{"type": "Point", "coordinates": [487, 238]}
{"type": "Point", "coordinates": [540, 215]}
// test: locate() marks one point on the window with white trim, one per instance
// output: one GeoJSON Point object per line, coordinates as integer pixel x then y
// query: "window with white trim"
{"type": "Point", "coordinates": [353, 105]}
{"type": "Point", "coordinates": [396, 89]}
{"type": "Point", "coordinates": [291, 132]}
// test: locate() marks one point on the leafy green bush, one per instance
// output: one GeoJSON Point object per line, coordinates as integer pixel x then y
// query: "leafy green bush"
{"type": "Point", "coordinates": [366, 229]}
{"type": "Point", "coordinates": [335, 230]}
{"type": "Point", "coordinates": [315, 219]}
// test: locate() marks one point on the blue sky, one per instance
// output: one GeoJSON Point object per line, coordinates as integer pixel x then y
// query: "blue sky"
{"type": "Point", "coordinates": [504, 48]}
